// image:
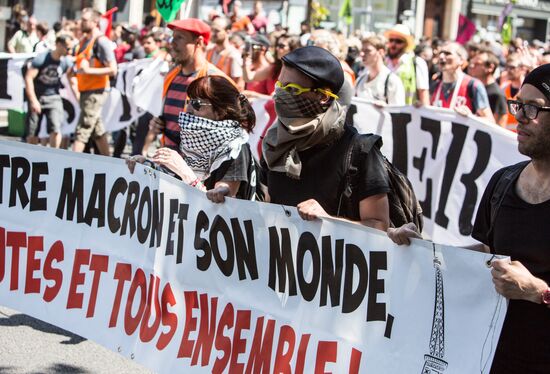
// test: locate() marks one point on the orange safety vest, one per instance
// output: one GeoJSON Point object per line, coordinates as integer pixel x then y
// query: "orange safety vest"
{"type": "Point", "coordinates": [224, 63]}
{"type": "Point", "coordinates": [511, 122]}
{"type": "Point", "coordinates": [87, 82]}
{"type": "Point", "coordinates": [348, 71]}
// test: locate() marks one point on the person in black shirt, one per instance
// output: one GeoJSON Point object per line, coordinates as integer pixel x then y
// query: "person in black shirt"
{"type": "Point", "coordinates": [482, 66]}
{"type": "Point", "coordinates": [42, 84]}
{"type": "Point", "coordinates": [304, 152]}
{"type": "Point", "coordinates": [519, 229]}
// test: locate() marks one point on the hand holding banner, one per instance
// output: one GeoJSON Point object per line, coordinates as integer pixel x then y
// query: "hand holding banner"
{"type": "Point", "coordinates": [148, 267]}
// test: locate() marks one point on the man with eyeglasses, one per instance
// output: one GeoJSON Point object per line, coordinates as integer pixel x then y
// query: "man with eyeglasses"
{"type": "Point", "coordinates": [306, 149]}
{"type": "Point", "coordinates": [412, 70]}
{"type": "Point", "coordinates": [515, 74]}
{"type": "Point", "coordinates": [512, 220]}
{"type": "Point", "coordinates": [42, 84]}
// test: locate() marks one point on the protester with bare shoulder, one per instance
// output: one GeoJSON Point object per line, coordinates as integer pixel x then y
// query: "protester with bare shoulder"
{"type": "Point", "coordinates": [512, 220]}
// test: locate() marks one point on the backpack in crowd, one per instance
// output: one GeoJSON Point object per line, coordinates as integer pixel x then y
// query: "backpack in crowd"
{"type": "Point", "coordinates": [403, 204]}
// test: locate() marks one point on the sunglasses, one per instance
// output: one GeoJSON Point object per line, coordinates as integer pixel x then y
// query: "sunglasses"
{"type": "Point", "coordinates": [396, 41]}
{"type": "Point", "coordinates": [295, 89]}
{"type": "Point", "coordinates": [530, 111]}
{"type": "Point", "coordinates": [281, 46]}
{"type": "Point", "coordinates": [196, 103]}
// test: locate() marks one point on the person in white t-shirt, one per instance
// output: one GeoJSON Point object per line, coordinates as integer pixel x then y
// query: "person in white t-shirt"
{"type": "Point", "coordinates": [378, 84]}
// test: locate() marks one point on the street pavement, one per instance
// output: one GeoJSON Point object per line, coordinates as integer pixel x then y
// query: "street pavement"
{"type": "Point", "coordinates": [31, 346]}
{"type": "Point", "coordinates": [28, 345]}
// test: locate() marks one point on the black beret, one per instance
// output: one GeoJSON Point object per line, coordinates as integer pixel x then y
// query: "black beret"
{"type": "Point", "coordinates": [540, 78]}
{"type": "Point", "coordinates": [318, 64]}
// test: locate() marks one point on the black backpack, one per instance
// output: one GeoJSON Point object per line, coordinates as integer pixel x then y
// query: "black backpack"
{"type": "Point", "coordinates": [404, 206]}
{"type": "Point", "coordinates": [249, 189]}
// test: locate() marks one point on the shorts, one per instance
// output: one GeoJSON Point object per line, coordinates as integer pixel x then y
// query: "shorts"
{"type": "Point", "coordinates": [90, 124]}
{"type": "Point", "coordinates": [52, 109]}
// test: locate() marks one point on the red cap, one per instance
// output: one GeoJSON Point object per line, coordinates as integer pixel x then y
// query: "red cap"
{"type": "Point", "coordinates": [194, 25]}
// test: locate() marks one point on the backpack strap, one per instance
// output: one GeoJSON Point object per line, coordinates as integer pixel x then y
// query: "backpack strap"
{"type": "Point", "coordinates": [354, 154]}
{"type": "Point", "coordinates": [386, 87]}
{"type": "Point", "coordinates": [471, 94]}
{"type": "Point", "coordinates": [499, 192]}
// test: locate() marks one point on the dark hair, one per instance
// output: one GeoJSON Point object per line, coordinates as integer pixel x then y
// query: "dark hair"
{"type": "Point", "coordinates": [57, 27]}
{"type": "Point", "coordinates": [148, 19]}
{"type": "Point", "coordinates": [226, 100]}
{"type": "Point", "coordinates": [42, 27]}
{"type": "Point", "coordinates": [156, 35]}
{"type": "Point", "coordinates": [492, 59]}
{"type": "Point", "coordinates": [62, 39]}
{"type": "Point", "coordinates": [293, 43]}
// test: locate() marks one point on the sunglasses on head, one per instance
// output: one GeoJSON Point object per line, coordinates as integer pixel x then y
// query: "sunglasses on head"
{"type": "Point", "coordinates": [296, 89]}
{"type": "Point", "coordinates": [396, 41]}
{"type": "Point", "coordinates": [196, 103]}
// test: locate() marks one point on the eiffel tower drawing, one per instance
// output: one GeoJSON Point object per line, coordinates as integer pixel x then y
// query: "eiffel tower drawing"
{"type": "Point", "coordinates": [433, 362]}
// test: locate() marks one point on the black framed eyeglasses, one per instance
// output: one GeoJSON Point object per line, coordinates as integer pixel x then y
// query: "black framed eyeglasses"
{"type": "Point", "coordinates": [530, 111]}
{"type": "Point", "coordinates": [196, 103]}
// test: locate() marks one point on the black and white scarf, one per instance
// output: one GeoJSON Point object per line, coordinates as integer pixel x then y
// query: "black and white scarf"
{"type": "Point", "coordinates": [206, 144]}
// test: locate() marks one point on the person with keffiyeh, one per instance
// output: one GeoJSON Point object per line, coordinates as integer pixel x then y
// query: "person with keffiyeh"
{"type": "Point", "coordinates": [214, 154]}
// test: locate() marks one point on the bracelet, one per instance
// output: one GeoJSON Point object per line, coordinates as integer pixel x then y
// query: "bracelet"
{"type": "Point", "coordinates": [195, 182]}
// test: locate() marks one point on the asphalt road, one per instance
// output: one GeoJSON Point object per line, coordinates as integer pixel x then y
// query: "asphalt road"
{"type": "Point", "coordinates": [28, 345]}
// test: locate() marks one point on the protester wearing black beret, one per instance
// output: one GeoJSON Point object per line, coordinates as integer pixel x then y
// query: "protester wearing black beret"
{"type": "Point", "coordinates": [318, 64]}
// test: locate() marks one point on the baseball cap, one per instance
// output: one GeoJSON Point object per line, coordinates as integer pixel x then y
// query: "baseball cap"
{"type": "Point", "coordinates": [193, 25]}
{"type": "Point", "coordinates": [318, 64]}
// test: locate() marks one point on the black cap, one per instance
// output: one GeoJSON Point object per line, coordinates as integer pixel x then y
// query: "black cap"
{"type": "Point", "coordinates": [318, 64]}
{"type": "Point", "coordinates": [540, 78]}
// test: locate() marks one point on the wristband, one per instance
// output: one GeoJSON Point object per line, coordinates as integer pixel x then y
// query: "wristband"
{"type": "Point", "coordinates": [195, 182]}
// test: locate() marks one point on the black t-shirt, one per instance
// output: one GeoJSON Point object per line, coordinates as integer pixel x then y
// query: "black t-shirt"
{"type": "Point", "coordinates": [48, 80]}
{"type": "Point", "coordinates": [322, 176]}
{"type": "Point", "coordinates": [521, 231]}
{"type": "Point", "coordinates": [497, 99]}
{"type": "Point", "coordinates": [232, 171]}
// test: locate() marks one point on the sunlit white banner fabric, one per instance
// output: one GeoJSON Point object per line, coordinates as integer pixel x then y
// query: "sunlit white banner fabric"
{"type": "Point", "coordinates": [149, 268]}
{"type": "Point", "coordinates": [448, 158]}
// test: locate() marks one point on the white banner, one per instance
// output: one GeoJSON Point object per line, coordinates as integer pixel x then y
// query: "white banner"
{"type": "Point", "coordinates": [119, 110]}
{"type": "Point", "coordinates": [448, 158]}
{"type": "Point", "coordinates": [149, 268]}
{"type": "Point", "coordinates": [12, 81]}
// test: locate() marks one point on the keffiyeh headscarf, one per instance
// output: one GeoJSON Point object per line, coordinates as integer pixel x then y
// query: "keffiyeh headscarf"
{"type": "Point", "coordinates": [206, 144]}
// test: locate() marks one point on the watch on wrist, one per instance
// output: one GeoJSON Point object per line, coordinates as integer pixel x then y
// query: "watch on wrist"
{"type": "Point", "coordinates": [545, 297]}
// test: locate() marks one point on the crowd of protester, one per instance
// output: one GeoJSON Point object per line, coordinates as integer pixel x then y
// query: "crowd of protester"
{"type": "Point", "coordinates": [388, 68]}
